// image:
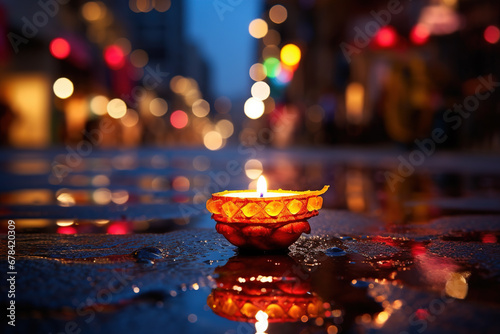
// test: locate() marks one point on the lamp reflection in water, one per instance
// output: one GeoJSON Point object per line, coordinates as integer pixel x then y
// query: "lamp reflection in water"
{"type": "Point", "coordinates": [264, 289]}
{"type": "Point", "coordinates": [262, 323]}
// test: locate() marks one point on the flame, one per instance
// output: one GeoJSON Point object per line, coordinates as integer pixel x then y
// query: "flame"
{"type": "Point", "coordinates": [262, 186]}
{"type": "Point", "coordinates": [261, 316]}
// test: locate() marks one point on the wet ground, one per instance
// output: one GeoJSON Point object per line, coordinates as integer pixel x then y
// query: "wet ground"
{"type": "Point", "coordinates": [417, 256]}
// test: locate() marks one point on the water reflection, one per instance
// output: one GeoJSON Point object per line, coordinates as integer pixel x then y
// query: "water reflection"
{"type": "Point", "coordinates": [280, 289]}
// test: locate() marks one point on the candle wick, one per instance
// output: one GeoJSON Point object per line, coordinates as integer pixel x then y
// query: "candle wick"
{"type": "Point", "coordinates": [261, 194]}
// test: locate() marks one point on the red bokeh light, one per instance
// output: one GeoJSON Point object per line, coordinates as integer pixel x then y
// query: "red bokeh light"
{"type": "Point", "coordinates": [118, 228]}
{"type": "Point", "coordinates": [386, 37]}
{"type": "Point", "coordinates": [179, 119]}
{"type": "Point", "coordinates": [66, 230]}
{"type": "Point", "coordinates": [419, 34]}
{"type": "Point", "coordinates": [492, 34]}
{"type": "Point", "coordinates": [114, 57]}
{"type": "Point", "coordinates": [60, 48]}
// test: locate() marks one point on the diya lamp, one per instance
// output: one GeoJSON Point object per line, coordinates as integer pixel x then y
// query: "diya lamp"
{"type": "Point", "coordinates": [264, 219]}
{"type": "Point", "coordinates": [264, 289]}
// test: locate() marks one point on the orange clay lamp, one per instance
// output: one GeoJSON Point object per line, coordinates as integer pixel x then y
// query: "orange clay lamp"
{"type": "Point", "coordinates": [263, 219]}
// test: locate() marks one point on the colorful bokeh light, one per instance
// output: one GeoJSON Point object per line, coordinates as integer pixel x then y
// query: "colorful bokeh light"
{"type": "Point", "coordinates": [257, 28]}
{"type": "Point", "coordinates": [179, 119]}
{"type": "Point", "coordinates": [63, 88]}
{"type": "Point", "coordinates": [386, 37]}
{"type": "Point", "coordinates": [254, 108]}
{"type": "Point", "coordinates": [272, 66]}
{"type": "Point", "coordinates": [290, 55]}
{"type": "Point", "coordinates": [492, 34]}
{"type": "Point", "coordinates": [114, 57]}
{"type": "Point", "coordinates": [419, 34]}
{"type": "Point", "coordinates": [60, 48]}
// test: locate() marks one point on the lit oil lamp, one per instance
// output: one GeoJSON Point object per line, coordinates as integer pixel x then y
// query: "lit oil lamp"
{"type": "Point", "coordinates": [264, 219]}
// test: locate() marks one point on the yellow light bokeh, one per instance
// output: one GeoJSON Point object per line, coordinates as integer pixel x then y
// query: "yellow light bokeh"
{"type": "Point", "coordinates": [278, 14]}
{"type": "Point", "coordinates": [130, 119]}
{"type": "Point", "coordinates": [290, 55]}
{"type": "Point", "coordinates": [93, 11]}
{"type": "Point", "coordinates": [254, 108]}
{"type": "Point", "coordinates": [260, 90]}
{"type": "Point", "coordinates": [253, 168]}
{"type": "Point", "coordinates": [257, 72]}
{"type": "Point", "coordinates": [354, 102]}
{"type": "Point", "coordinates": [158, 107]}
{"type": "Point", "coordinates": [162, 5]}
{"type": "Point", "coordinates": [63, 88]}
{"type": "Point", "coordinates": [116, 108]}
{"type": "Point", "coordinates": [98, 105]}
{"type": "Point", "coordinates": [257, 28]}
{"type": "Point", "coordinates": [200, 108]}
{"type": "Point", "coordinates": [213, 140]}
{"type": "Point", "coordinates": [225, 128]}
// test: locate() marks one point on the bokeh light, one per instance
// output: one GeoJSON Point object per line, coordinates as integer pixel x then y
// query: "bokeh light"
{"type": "Point", "coordinates": [260, 90]}
{"type": "Point", "coordinates": [180, 183]}
{"type": "Point", "coordinates": [254, 108]}
{"type": "Point", "coordinates": [158, 107]}
{"type": "Point", "coordinates": [213, 140]}
{"type": "Point", "coordinates": [225, 127]}
{"type": "Point", "coordinates": [258, 72]}
{"type": "Point", "coordinates": [98, 105]}
{"type": "Point", "coordinates": [117, 108]}
{"type": "Point", "coordinates": [278, 14]}
{"type": "Point", "coordinates": [102, 196]}
{"type": "Point", "coordinates": [253, 168]}
{"type": "Point", "coordinates": [179, 119]}
{"type": "Point", "coordinates": [271, 51]}
{"type": "Point", "coordinates": [63, 88]}
{"type": "Point", "coordinates": [386, 37]}
{"type": "Point", "coordinates": [285, 75]}
{"type": "Point", "coordinates": [419, 34]}
{"type": "Point", "coordinates": [114, 57]}
{"type": "Point", "coordinates": [492, 34]}
{"type": "Point", "coordinates": [200, 108]}
{"type": "Point", "coordinates": [124, 44]}
{"type": "Point", "coordinates": [130, 119]}
{"type": "Point", "coordinates": [60, 48]}
{"type": "Point", "coordinates": [272, 38]}
{"type": "Point", "coordinates": [162, 5]}
{"type": "Point", "coordinates": [272, 66]}
{"type": "Point", "coordinates": [257, 28]}
{"type": "Point", "coordinates": [290, 55]}
{"type": "Point", "coordinates": [201, 163]}
{"type": "Point", "coordinates": [139, 58]}
{"type": "Point", "coordinates": [119, 196]}
{"type": "Point", "coordinates": [93, 10]}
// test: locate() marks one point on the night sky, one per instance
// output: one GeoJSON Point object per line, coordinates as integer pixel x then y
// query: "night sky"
{"type": "Point", "coordinates": [213, 27]}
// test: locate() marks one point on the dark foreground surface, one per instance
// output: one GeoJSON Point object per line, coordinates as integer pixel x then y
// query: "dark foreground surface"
{"type": "Point", "coordinates": [441, 278]}
{"type": "Point", "coordinates": [120, 242]}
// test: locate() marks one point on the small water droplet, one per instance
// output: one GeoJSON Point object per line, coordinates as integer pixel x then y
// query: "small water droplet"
{"type": "Point", "coordinates": [347, 238]}
{"type": "Point", "coordinates": [147, 255]}
{"type": "Point", "coordinates": [335, 251]}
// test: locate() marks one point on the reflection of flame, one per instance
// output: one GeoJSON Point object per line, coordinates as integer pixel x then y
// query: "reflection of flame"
{"type": "Point", "coordinates": [262, 186]}
{"type": "Point", "coordinates": [261, 324]}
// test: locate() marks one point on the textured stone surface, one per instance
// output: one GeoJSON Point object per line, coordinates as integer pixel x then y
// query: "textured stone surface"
{"type": "Point", "coordinates": [100, 284]}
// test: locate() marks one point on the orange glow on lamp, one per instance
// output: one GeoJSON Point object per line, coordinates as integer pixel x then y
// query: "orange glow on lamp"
{"type": "Point", "coordinates": [264, 219]}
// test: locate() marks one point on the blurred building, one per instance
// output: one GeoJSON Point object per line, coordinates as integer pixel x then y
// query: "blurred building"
{"type": "Point", "coordinates": [103, 51]}
{"type": "Point", "coordinates": [379, 71]}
